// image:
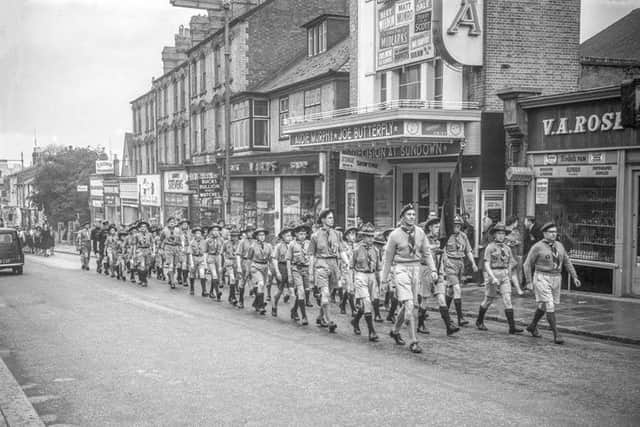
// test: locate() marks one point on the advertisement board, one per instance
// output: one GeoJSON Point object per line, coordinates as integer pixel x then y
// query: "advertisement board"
{"type": "Point", "coordinates": [403, 32]}
{"type": "Point", "coordinates": [149, 189]}
{"type": "Point", "coordinates": [176, 182]}
{"type": "Point", "coordinates": [104, 167]}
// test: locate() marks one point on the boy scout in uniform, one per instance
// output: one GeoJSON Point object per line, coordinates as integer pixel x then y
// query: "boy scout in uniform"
{"type": "Point", "coordinates": [121, 254]}
{"type": "Point", "coordinates": [171, 244]}
{"type": "Point", "coordinates": [183, 268]}
{"type": "Point", "coordinates": [158, 263]}
{"type": "Point", "coordinates": [243, 262]}
{"type": "Point", "coordinates": [198, 258]}
{"type": "Point", "coordinates": [434, 288]}
{"type": "Point", "coordinates": [83, 244]}
{"type": "Point", "coordinates": [131, 255]}
{"type": "Point", "coordinates": [498, 259]}
{"type": "Point", "coordinates": [455, 250]}
{"type": "Point", "coordinates": [230, 274]}
{"type": "Point", "coordinates": [298, 271]}
{"type": "Point", "coordinates": [279, 259]}
{"type": "Point", "coordinates": [548, 257]}
{"type": "Point", "coordinates": [260, 256]}
{"type": "Point", "coordinates": [214, 260]}
{"type": "Point", "coordinates": [378, 291]}
{"type": "Point", "coordinates": [324, 250]}
{"type": "Point", "coordinates": [347, 272]}
{"type": "Point", "coordinates": [406, 248]}
{"type": "Point", "coordinates": [143, 249]}
{"type": "Point", "coordinates": [365, 265]}
{"type": "Point", "coordinates": [110, 244]}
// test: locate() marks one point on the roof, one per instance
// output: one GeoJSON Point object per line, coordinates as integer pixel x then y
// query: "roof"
{"type": "Point", "coordinates": [620, 40]}
{"type": "Point", "coordinates": [335, 60]}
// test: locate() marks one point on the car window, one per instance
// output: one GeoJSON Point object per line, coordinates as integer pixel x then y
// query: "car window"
{"type": "Point", "coordinates": [6, 238]}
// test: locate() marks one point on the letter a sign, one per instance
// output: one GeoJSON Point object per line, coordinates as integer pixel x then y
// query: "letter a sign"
{"type": "Point", "coordinates": [467, 16]}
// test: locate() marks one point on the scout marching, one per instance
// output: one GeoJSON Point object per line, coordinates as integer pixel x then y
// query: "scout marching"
{"type": "Point", "coordinates": [357, 268]}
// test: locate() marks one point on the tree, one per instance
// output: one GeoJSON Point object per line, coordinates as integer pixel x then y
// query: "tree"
{"type": "Point", "coordinates": [61, 169]}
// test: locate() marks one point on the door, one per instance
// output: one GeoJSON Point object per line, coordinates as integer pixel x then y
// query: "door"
{"type": "Point", "coordinates": [635, 246]}
{"type": "Point", "coordinates": [426, 188]}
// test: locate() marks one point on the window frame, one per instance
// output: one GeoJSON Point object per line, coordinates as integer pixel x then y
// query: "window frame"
{"type": "Point", "coordinates": [315, 105]}
{"type": "Point", "coordinates": [282, 115]}
{"type": "Point", "coordinates": [410, 85]}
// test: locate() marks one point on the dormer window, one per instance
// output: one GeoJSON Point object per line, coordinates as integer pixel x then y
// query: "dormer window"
{"type": "Point", "coordinates": [317, 38]}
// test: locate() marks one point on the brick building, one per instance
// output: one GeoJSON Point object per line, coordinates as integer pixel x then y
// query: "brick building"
{"type": "Point", "coordinates": [424, 82]}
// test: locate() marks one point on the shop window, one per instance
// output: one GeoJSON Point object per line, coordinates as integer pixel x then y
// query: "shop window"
{"type": "Point", "coordinates": [383, 202]}
{"type": "Point", "coordinates": [444, 178]}
{"type": "Point", "coordinates": [317, 39]}
{"type": "Point", "coordinates": [312, 102]}
{"type": "Point", "coordinates": [283, 114]}
{"type": "Point", "coordinates": [250, 205]}
{"type": "Point", "coordinates": [240, 124]}
{"type": "Point", "coordinates": [260, 123]}
{"type": "Point", "coordinates": [383, 87]}
{"type": "Point", "coordinates": [584, 210]}
{"type": "Point", "coordinates": [409, 83]}
{"type": "Point", "coordinates": [265, 203]}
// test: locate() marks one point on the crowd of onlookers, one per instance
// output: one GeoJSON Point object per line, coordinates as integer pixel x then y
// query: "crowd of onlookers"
{"type": "Point", "coordinates": [38, 240]}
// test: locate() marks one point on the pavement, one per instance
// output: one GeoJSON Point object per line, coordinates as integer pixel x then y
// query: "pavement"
{"type": "Point", "coordinates": [88, 350]}
{"type": "Point", "coordinates": [596, 316]}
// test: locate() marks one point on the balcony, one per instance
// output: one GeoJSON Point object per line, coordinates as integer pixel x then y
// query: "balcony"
{"type": "Point", "coordinates": [392, 122]}
{"type": "Point", "coordinates": [409, 109]}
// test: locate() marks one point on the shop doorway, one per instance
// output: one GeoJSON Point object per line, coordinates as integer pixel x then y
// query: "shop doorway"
{"type": "Point", "coordinates": [425, 187]}
{"type": "Point", "coordinates": [635, 274]}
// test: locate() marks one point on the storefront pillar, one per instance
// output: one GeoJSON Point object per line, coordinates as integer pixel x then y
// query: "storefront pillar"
{"type": "Point", "coordinates": [277, 193]}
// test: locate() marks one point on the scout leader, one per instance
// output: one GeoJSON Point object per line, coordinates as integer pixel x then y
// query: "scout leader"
{"type": "Point", "coordinates": [498, 260]}
{"type": "Point", "coordinates": [143, 249]}
{"type": "Point", "coordinates": [324, 250]}
{"type": "Point", "coordinates": [279, 259]}
{"type": "Point", "coordinates": [214, 260]}
{"type": "Point", "coordinates": [197, 253]}
{"type": "Point", "coordinates": [548, 257]}
{"type": "Point", "coordinates": [171, 244]}
{"type": "Point", "coordinates": [406, 248]}
{"type": "Point", "coordinates": [260, 256]}
{"type": "Point", "coordinates": [298, 271]}
{"type": "Point", "coordinates": [365, 265]}
{"type": "Point", "coordinates": [243, 262]}
{"type": "Point", "coordinates": [456, 250]}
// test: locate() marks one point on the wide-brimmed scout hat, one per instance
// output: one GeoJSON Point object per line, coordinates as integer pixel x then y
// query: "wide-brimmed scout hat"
{"type": "Point", "coordinates": [367, 230]}
{"type": "Point", "coordinates": [499, 227]}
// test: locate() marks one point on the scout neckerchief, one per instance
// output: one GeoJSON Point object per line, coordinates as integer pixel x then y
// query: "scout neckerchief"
{"type": "Point", "coordinates": [554, 253]}
{"type": "Point", "coordinates": [371, 258]}
{"type": "Point", "coordinates": [411, 236]}
{"type": "Point", "coordinates": [327, 230]}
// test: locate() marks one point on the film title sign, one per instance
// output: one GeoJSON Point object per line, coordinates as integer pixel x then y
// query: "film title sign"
{"type": "Point", "coordinates": [370, 131]}
{"type": "Point", "coordinates": [407, 151]}
{"type": "Point", "coordinates": [404, 32]}
{"type": "Point", "coordinates": [176, 182]}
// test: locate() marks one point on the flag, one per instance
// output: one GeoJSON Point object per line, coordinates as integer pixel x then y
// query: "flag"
{"type": "Point", "coordinates": [450, 204]}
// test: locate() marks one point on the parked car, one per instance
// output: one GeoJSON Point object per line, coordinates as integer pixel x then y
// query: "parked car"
{"type": "Point", "coordinates": [11, 255]}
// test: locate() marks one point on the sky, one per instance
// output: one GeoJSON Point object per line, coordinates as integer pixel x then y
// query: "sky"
{"type": "Point", "coordinates": [69, 68]}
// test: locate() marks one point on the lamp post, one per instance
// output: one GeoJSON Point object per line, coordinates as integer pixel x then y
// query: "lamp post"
{"type": "Point", "coordinates": [227, 110]}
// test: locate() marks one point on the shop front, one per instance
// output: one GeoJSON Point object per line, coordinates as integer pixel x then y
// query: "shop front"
{"type": "Point", "coordinates": [586, 178]}
{"type": "Point", "coordinates": [149, 191]}
{"type": "Point", "coordinates": [176, 194]}
{"type": "Point", "coordinates": [112, 201]}
{"type": "Point", "coordinates": [272, 190]}
{"type": "Point", "coordinates": [129, 201]}
{"type": "Point", "coordinates": [96, 198]}
{"type": "Point", "coordinates": [205, 186]}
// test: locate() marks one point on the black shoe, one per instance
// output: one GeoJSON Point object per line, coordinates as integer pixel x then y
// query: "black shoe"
{"type": "Point", "coordinates": [308, 304]}
{"type": "Point", "coordinates": [462, 321]}
{"type": "Point", "coordinates": [304, 322]}
{"type": "Point", "coordinates": [422, 330]}
{"type": "Point", "coordinates": [274, 312]}
{"type": "Point", "coordinates": [397, 337]}
{"type": "Point", "coordinates": [286, 299]}
{"type": "Point", "coordinates": [415, 348]}
{"type": "Point", "coordinates": [322, 323]}
{"type": "Point", "coordinates": [558, 339]}
{"type": "Point", "coordinates": [332, 327]}
{"type": "Point", "coordinates": [190, 292]}
{"type": "Point", "coordinates": [343, 310]}
{"type": "Point", "coordinates": [356, 327]}
{"type": "Point", "coordinates": [240, 305]}
{"type": "Point", "coordinates": [262, 311]}
{"type": "Point", "coordinates": [378, 319]}
{"type": "Point", "coordinates": [481, 326]}
{"type": "Point", "coordinates": [452, 329]}
{"type": "Point", "coordinates": [294, 316]}
{"type": "Point", "coordinates": [533, 331]}
{"type": "Point", "coordinates": [391, 318]}
{"type": "Point", "coordinates": [373, 337]}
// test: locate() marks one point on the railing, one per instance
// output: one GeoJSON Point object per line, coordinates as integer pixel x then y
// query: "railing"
{"type": "Point", "coordinates": [397, 104]}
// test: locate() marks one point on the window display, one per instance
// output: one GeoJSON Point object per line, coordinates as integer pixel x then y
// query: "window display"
{"type": "Point", "coordinates": [584, 210]}
{"type": "Point", "coordinates": [383, 202]}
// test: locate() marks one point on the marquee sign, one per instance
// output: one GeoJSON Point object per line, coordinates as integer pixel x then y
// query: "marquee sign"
{"type": "Point", "coordinates": [403, 32]}
{"type": "Point", "coordinates": [457, 30]}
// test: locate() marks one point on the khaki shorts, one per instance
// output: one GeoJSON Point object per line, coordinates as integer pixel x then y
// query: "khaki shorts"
{"type": "Point", "coordinates": [546, 287]}
{"type": "Point", "coordinates": [453, 271]}
{"type": "Point", "coordinates": [407, 278]}
{"type": "Point", "coordinates": [199, 268]}
{"type": "Point", "coordinates": [503, 287]}
{"type": "Point", "coordinates": [259, 276]}
{"type": "Point", "coordinates": [428, 287]}
{"type": "Point", "coordinates": [364, 284]}
{"type": "Point", "coordinates": [327, 273]}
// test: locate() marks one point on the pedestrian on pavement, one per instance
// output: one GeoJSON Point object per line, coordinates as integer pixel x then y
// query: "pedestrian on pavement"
{"type": "Point", "coordinates": [298, 271]}
{"type": "Point", "coordinates": [406, 247]}
{"type": "Point", "coordinates": [364, 265]}
{"type": "Point", "coordinates": [260, 256]}
{"type": "Point", "coordinates": [546, 259]}
{"type": "Point", "coordinates": [456, 249]}
{"type": "Point", "coordinates": [498, 260]}
{"type": "Point", "coordinates": [433, 288]}
{"type": "Point", "coordinates": [324, 249]}
{"type": "Point", "coordinates": [279, 259]}
{"type": "Point", "coordinates": [198, 261]}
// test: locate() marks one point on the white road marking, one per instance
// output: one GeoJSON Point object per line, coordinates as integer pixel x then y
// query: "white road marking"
{"type": "Point", "coordinates": [63, 380]}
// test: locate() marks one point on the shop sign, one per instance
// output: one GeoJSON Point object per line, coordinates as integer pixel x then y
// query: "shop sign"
{"type": "Point", "coordinates": [542, 191]}
{"type": "Point", "coordinates": [457, 30]}
{"type": "Point", "coordinates": [351, 202]}
{"type": "Point", "coordinates": [176, 182]}
{"type": "Point", "coordinates": [97, 203]}
{"type": "Point", "coordinates": [149, 190]}
{"type": "Point", "coordinates": [82, 188]}
{"type": "Point", "coordinates": [408, 151]}
{"type": "Point", "coordinates": [577, 171]}
{"type": "Point", "coordinates": [129, 190]}
{"type": "Point", "coordinates": [131, 203]}
{"type": "Point", "coordinates": [296, 165]}
{"type": "Point", "coordinates": [96, 188]}
{"type": "Point", "coordinates": [112, 188]}
{"type": "Point", "coordinates": [176, 199]}
{"type": "Point", "coordinates": [209, 187]}
{"type": "Point", "coordinates": [110, 200]}
{"type": "Point", "coordinates": [363, 165]}
{"type": "Point", "coordinates": [609, 121]}
{"type": "Point", "coordinates": [104, 167]}
{"type": "Point", "coordinates": [403, 33]}
{"type": "Point", "coordinates": [194, 179]}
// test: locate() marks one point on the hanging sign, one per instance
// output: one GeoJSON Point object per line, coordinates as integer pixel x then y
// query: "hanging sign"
{"type": "Point", "coordinates": [542, 191]}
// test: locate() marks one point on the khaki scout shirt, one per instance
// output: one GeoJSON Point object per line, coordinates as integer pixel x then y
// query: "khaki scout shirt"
{"type": "Point", "coordinates": [498, 255]}
{"type": "Point", "coordinates": [171, 237]}
{"type": "Point", "coordinates": [260, 252]}
{"type": "Point", "coordinates": [365, 259]}
{"type": "Point", "coordinates": [325, 243]}
{"type": "Point", "coordinates": [298, 253]}
{"type": "Point", "coordinates": [405, 247]}
{"type": "Point", "coordinates": [243, 248]}
{"type": "Point", "coordinates": [198, 247]}
{"type": "Point", "coordinates": [280, 252]}
{"type": "Point", "coordinates": [457, 246]}
{"type": "Point", "coordinates": [548, 257]}
{"type": "Point", "coordinates": [214, 245]}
